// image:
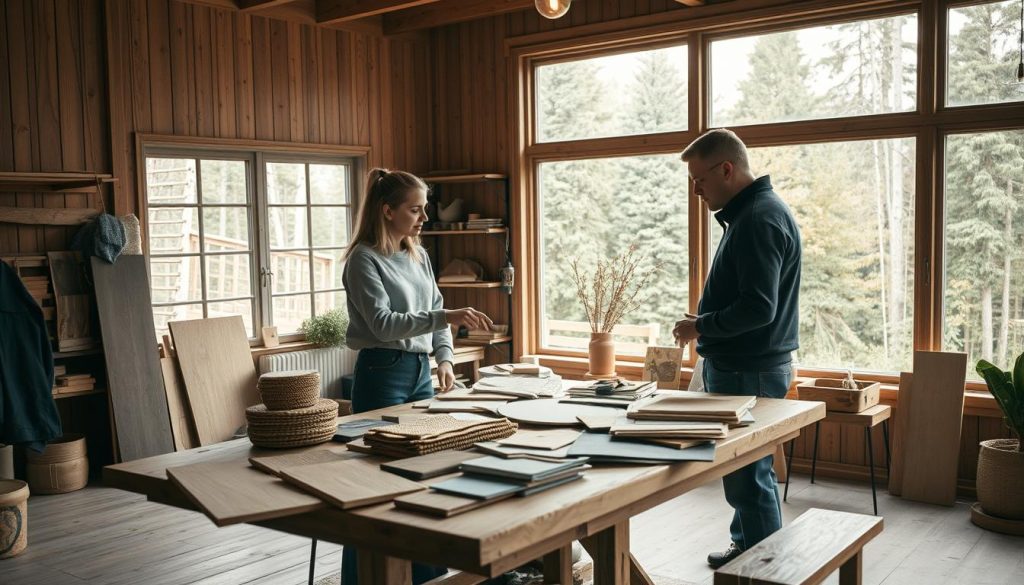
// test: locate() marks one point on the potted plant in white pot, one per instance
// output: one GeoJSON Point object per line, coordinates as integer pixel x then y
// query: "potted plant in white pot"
{"type": "Point", "coordinates": [1000, 480]}
{"type": "Point", "coordinates": [612, 291]}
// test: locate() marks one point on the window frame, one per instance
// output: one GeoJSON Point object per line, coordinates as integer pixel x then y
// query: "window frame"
{"type": "Point", "coordinates": [929, 123]}
{"type": "Point", "coordinates": [257, 154]}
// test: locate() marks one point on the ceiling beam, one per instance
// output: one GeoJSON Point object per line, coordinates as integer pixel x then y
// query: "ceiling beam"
{"type": "Point", "coordinates": [332, 11]}
{"type": "Point", "coordinates": [253, 5]}
{"type": "Point", "coordinates": [448, 12]}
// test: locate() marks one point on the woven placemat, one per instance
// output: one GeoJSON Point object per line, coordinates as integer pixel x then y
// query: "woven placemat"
{"type": "Point", "coordinates": [456, 440]}
{"type": "Point", "coordinates": [286, 375]}
{"type": "Point", "coordinates": [292, 442]}
{"type": "Point", "coordinates": [385, 436]}
{"type": "Point", "coordinates": [261, 412]}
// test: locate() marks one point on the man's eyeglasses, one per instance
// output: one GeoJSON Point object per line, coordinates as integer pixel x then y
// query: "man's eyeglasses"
{"type": "Point", "coordinates": [698, 180]}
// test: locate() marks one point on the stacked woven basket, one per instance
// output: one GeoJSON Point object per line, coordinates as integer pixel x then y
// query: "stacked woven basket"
{"type": "Point", "coordinates": [292, 413]}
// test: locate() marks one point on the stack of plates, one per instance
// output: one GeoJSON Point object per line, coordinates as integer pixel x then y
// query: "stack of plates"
{"type": "Point", "coordinates": [298, 427]}
{"type": "Point", "coordinates": [290, 390]}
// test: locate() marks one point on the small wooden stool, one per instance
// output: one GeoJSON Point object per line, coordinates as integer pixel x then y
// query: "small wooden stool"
{"type": "Point", "coordinates": [806, 551]}
{"type": "Point", "coordinates": [869, 419]}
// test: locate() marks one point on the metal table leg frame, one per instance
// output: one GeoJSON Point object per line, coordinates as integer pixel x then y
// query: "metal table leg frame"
{"type": "Point", "coordinates": [871, 467]}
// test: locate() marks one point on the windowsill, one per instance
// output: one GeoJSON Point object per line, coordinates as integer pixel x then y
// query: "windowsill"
{"type": "Point", "coordinates": [976, 402]}
{"type": "Point", "coordinates": [259, 351]}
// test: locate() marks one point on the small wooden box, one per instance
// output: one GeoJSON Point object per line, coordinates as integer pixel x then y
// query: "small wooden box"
{"type": "Point", "coordinates": [838, 399]}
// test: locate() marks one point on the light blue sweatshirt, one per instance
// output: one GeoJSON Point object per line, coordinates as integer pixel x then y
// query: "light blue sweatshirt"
{"type": "Point", "coordinates": [394, 303]}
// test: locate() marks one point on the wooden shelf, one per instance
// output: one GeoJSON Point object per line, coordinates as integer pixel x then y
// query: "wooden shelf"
{"type": "Point", "coordinates": [500, 230]}
{"type": "Point", "coordinates": [56, 182]}
{"type": "Point", "coordinates": [475, 342]}
{"type": "Point", "coordinates": [82, 393]}
{"type": "Point", "coordinates": [468, 285]}
{"type": "Point", "coordinates": [77, 353]}
{"type": "Point", "coordinates": [472, 178]}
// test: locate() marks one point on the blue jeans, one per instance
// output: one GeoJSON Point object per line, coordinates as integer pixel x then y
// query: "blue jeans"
{"type": "Point", "coordinates": [386, 377]}
{"type": "Point", "coordinates": [752, 491]}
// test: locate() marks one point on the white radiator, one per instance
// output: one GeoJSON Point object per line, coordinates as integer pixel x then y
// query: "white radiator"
{"type": "Point", "coordinates": [331, 362]}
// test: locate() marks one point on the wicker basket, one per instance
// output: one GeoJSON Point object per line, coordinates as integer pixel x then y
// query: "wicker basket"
{"type": "Point", "coordinates": [62, 467]}
{"type": "Point", "coordinates": [282, 429]}
{"type": "Point", "coordinates": [289, 390]}
{"type": "Point", "coordinates": [1001, 479]}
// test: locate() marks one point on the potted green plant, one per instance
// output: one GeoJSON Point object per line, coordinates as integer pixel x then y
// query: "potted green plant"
{"type": "Point", "coordinates": [327, 329]}
{"type": "Point", "coordinates": [1000, 479]}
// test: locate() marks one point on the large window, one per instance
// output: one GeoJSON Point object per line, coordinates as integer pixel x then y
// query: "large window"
{"type": "Point", "coordinates": [242, 233]}
{"type": "Point", "coordinates": [597, 208]}
{"type": "Point", "coordinates": [848, 69]}
{"type": "Point", "coordinates": [603, 170]}
{"type": "Point", "coordinates": [984, 246]}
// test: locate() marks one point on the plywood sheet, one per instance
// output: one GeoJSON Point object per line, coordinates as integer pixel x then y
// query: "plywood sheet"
{"type": "Point", "coordinates": [430, 465]}
{"type": "Point", "coordinates": [134, 378]}
{"type": "Point", "coordinates": [899, 429]}
{"type": "Point", "coordinates": [931, 446]}
{"type": "Point", "coordinates": [219, 374]}
{"type": "Point", "coordinates": [350, 483]}
{"type": "Point", "coordinates": [183, 427]}
{"type": "Point", "coordinates": [233, 492]}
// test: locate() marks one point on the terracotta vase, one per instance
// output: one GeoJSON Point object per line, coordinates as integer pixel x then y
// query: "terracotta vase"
{"type": "Point", "coordinates": [602, 356]}
{"type": "Point", "coordinates": [1001, 479]}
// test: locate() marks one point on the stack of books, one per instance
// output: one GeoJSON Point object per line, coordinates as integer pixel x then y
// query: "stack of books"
{"type": "Point", "coordinates": [72, 383]}
{"type": "Point", "coordinates": [617, 391]}
{"type": "Point", "coordinates": [492, 477]}
{"type": "Point", "coordinates": [692, 406]}
{"type": "Point", "coordinates": [484, 223]}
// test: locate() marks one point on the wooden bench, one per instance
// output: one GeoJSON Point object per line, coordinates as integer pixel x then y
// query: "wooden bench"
{"type": "Point", "coordinates": [806, 551]}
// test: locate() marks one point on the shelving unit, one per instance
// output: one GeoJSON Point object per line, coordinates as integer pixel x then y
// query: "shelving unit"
{"type": "Point", "coordinates": [436, 237]}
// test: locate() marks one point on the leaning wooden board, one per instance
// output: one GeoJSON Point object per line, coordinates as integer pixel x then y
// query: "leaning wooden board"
{"type": "Point", "coordinates": [899, 429]}
{"type": "Point", "coordinates": [134, 378]}
{"type": "Point", "coordinates": [219, 374]}
{"type": "Point", "coordinates": [932, 442]}
{"type": "Point", "coordinates": [183, 427]}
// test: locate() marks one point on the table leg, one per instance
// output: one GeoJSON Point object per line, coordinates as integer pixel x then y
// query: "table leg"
{"type": "Point", "coordinates": [637, 574]}
{"type": "Point", "coordinates": [789, 467]}
{"type": "Point", "coordinates": [558, 565]}
{"type": "Point", "coordinates": [814, 457]}
{"type": "Point", "coordinates": [852, 571]}
{"type": "Point", "coordinates": [609, 549]}
{"type": "Point", "coordinates": [379, 569]}
{"type": "Point", "coordinates": [312, 561]}
{"type": "Point", "coordinates": [871, 466]}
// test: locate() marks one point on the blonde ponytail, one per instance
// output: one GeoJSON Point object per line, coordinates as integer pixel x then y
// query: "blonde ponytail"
{"type": "Point", "coordinates": [384, 187]}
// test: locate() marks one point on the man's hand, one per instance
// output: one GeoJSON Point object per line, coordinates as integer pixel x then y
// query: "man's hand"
{"type": "Point", "coordinates": [445, 376]}
{"type": "Point", "coordinates": [685, 330]}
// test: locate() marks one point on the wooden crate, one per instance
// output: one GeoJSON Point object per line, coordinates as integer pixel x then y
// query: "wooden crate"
{"type": "Point", "coordinates": [838, 399]}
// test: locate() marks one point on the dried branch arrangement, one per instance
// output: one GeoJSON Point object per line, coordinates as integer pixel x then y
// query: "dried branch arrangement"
{"type": "Point", "coordinates": [613, 290]}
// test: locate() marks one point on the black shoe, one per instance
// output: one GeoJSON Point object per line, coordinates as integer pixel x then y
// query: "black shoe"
{"type": "Point", "coordinates": [718, 559]}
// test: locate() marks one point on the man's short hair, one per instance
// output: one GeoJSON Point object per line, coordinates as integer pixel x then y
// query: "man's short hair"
{"type": "Point", "coordinates": [718, 144]}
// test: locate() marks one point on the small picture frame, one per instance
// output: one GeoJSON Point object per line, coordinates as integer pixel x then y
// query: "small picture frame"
{"type": "Point", "coordinates": [270, 337]}
{"type": "Point", "coordinates": [662, 365]}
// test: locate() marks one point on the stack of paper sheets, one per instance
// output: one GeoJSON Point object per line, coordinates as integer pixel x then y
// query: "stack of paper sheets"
{"type": "Point", "coordinates": [436, 433]}
{"type": "Point", "coordinates": [491, 477]}
{"type": "Point", "coordinates": [654, 429]}
{"type": "Point", "coordinates": [623, 390]}
{"type": "Point", "coordinates": [520, 387]}
{"type": "Point", "coordinates": [692, 406]}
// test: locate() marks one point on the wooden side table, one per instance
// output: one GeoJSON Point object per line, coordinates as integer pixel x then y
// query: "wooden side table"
{"type": "Point", "coordinates": [869, 418]}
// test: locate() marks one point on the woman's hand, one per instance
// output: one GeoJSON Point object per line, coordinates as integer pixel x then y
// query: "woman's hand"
{"type": "Point", "coordinates": [469, 317]}
{"type": "Point", "coordinates": [445, 376]}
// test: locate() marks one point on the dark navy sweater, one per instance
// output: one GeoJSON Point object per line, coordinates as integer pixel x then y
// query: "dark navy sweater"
{"type": "Point", "coordinates": [748, 316]}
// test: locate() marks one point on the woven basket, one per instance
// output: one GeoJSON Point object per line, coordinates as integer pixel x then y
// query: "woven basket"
{"type": "Point", "coordinates": [1001, 479]}
{"type": "Point", "coordinates": [282, 429]}
{"type": "Point", "coordinates": [13, 517]}
{"type": "Point", "coordinates": [61, 468]}
{"type": "Point", "coordinates": [289, 390]}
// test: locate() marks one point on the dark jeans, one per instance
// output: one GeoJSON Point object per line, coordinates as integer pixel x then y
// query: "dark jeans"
{"type": "Point", "coordinates": [386, 377]}
{"type": "Point", "coordinates": [752, 491]}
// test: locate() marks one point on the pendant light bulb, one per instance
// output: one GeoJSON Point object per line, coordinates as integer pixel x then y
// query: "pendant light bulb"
{"type": "Point", "coordinates": [552, 8]}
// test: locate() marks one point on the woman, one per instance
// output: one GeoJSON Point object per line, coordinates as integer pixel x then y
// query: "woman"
{"type": "Point", "coordinates": [396, 313]}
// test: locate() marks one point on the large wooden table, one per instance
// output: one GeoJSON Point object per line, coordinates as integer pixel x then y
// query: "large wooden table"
{"type": "Point", "coordinates": [492, 540]}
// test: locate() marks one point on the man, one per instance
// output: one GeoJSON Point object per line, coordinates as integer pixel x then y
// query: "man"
{"type": "Point", "coordinates": [748, 314]}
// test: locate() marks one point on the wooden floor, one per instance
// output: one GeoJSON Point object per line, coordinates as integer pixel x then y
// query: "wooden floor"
{"type": "Point", "coordinates": [105, 536]}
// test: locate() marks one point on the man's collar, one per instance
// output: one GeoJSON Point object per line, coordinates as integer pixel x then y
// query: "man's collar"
{"type": "Point", "coordinates": [727, 214]}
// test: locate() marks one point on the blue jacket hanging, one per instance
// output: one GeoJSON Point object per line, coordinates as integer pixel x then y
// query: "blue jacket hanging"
{"type": "Point", "coordinates": [28, 414]}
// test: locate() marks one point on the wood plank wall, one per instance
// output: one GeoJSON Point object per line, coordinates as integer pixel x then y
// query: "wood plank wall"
{"type": "Point", "coordinates": [470, 117]}
{"type": "Point", "coordinates": [53, 106]}
{"type": "Point", "coordinates": [189, 70]}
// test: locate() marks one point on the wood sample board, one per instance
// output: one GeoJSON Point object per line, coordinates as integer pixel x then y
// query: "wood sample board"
{"type": "Point", "coordinates": [219, 374]}
{"type": "Point", "coordinates": [931, 443]}
{"type": "Point", "coordinates": [350, 483]}
{"type": "Point", "coordinates": [134, 377]}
